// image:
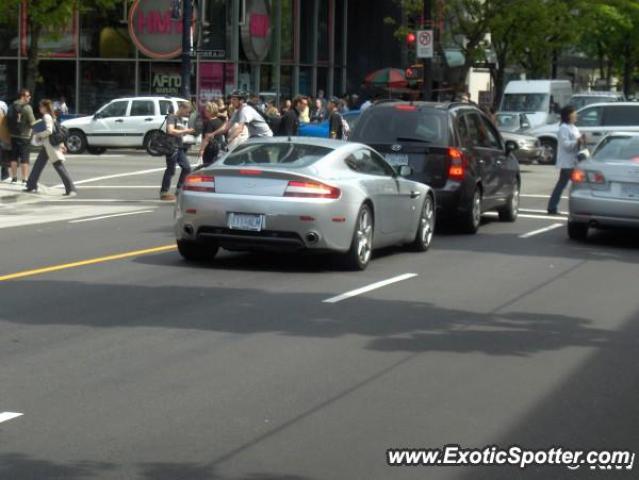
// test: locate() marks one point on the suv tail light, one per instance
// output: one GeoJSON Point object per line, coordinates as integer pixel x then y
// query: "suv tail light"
{"type": "Point", "coordinates": [457, 164]}
{"type": "Point", "coordinates": [199, 183]}
{"type": "Point", "coordinates": [311, 190]}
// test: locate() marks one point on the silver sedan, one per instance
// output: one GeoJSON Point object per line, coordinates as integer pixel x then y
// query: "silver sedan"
{"type": "Point", "coordinates": [303, 194]}
{"type": "Point", "coordinates": [605, 188]}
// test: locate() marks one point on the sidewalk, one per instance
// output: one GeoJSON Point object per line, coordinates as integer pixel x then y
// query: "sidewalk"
{"type": "Point", "coordinates": [13, 193]}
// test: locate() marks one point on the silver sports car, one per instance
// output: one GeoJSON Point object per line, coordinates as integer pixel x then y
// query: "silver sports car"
{"type": "Point", "coordinates": [605, 188]}
{"type": "Point", "coordinates": [303, 194]}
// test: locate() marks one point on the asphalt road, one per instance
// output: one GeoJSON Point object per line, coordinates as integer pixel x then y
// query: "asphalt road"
{"type": "Point", "coordinates": [146, 367]}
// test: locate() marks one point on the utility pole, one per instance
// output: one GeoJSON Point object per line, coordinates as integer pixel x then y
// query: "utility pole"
{"type": "Point", "coordinates": [428, 62]}
{"type": "Point", "coordinates": [187, 20]}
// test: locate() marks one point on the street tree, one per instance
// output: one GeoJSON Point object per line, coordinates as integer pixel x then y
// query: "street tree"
{"type": "Point", "coordinates": [46, 17]}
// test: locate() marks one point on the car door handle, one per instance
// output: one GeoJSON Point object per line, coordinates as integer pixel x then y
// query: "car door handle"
{"type": "Point", "coordinates": [596, 134]}
{"type": "Point", "coordinates": [499, 162]}
{"type": "Point", "coordinates": [481, 161]}
{"type": "Point", "coordinates": [148, 119]}
{"type": "Point", "coordinates": [119, 121]}
{"type": "Point", "coordinates": [415, 194]}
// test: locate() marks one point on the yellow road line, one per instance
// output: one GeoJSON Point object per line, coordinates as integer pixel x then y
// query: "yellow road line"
{"type": "Point", "coordinates": [82, 263]}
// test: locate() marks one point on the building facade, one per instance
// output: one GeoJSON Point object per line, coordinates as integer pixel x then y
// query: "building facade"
{"type": "Point", "coordinates": [283, 47]}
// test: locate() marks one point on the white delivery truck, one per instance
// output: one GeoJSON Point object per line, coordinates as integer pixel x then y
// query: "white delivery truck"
{"type": "Point", "coordinates": [540, 100]}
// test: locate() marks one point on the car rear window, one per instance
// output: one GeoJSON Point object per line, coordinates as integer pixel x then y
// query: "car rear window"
{"type": "Point", "coordinates": [387, 125]}
{"type": "Point", "coordinates": [282, 155]}
{"type": "Point", "coordinates": [618, 148]}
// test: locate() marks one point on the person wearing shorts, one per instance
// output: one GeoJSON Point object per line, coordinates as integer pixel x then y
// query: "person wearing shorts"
{"type": "Point", "coordinates": [21, 138]}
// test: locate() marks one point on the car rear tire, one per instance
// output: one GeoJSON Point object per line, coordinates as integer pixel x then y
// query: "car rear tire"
{"type": "Point", "coordinates": [471, 218]}
{"type": "Point", "coordinates": [76, 142]}
{"type": "Point", "coordinates": [426, 227]}
{"type": "Point", "coordinates": [577, 231]}
{"type": "Point", "coordinates": [511, 210]}
{"type": "Point", "coordinates": [96, 150]}
{"type": "Point", "coordinates": [359, 255]}
{"type": "Point", "coordinates": [196, 251]}
{"type": "Point", "coordinates": [549, 157]}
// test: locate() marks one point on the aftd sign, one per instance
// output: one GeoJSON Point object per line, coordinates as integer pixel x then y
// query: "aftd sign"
{"type": "Point", "coordinates": [153, 30]}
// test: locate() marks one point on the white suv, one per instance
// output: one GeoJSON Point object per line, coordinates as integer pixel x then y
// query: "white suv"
{"type": "Point", "coordinates": [123, 122]}
{"type": "Point", "coordinates": [595, 121]}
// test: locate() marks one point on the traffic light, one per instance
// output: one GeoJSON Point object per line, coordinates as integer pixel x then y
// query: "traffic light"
{"type": "Point", "coordinates": [410, 39]}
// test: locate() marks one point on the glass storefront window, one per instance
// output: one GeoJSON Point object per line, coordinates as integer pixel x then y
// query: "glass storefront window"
{"type": "Point", "coordinates": [266, 79]}
{"type": "Point", "coordinates": [104, 34]}
{"type": "Point", "coordinates": [214, 28]}
{"type": "Point", "coordinates": [338, 88]}
{"type": "Point", "coordinates": [288, 31]}
{"type": "Point", "coordinates": [8, 80]}
{"type": "Point", "coordinates": [339, 34]}
{"type": "Point", "coordinates": [322, 80]}
{"type": "Point", "coordinates": [306, 31]}
{"type": "Point", "coordinates": [286, 82]}
{"type": "Point", "coordinates": [322, 39]}
{"type": "Point", "coordinates": [306, 75]}
{"type": "Point", "coordinates": [57, 81]}
{"type": "Point", "coordinates": [101, 82]}
{"type": "Point", "coordinates": [9, 34]}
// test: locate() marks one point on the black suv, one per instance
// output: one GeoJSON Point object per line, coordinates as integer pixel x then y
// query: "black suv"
{"type": "Point", "coordinates": [454, 148]}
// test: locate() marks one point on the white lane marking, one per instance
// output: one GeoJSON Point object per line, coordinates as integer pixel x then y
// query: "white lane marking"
{"type": "Point", "coordinates": [542, 230]}
{"type": "Point", "coordinates": [525, 215]}
{"type": "Point", "coordinates": [117, 187]}
{"type": "Point", "coordinates": [93, 219]}
{"type": "Point", "coordinates": [28, 215]}
{"type": "Point", "coordinates": [368, 288]}
{"type": "Point", "coordinates": [119, 175]}
{"type": "Point", "coordinates": [531, 210]}
{"type": "Point", "coordinates": [538, 195]}
{"type": "Point", "coordinates": [104, 200]}
{"type": "Point", "coordinates": [6, 416]}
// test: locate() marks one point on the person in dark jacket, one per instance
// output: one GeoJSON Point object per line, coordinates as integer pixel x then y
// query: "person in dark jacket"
{"type": "Point", "coordinates": [290, 122]}
{"type": "Point", "coordinates": [335, 124]}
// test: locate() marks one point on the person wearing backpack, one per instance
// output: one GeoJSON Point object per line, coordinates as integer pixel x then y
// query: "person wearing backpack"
{"type": "Point", "coordinates": [337, 127]}
{"type": "Point", "coordinates": [20, 119]}
{"type": "Point", "coordinates": [5, 142]}
{"type": "Point", "coordinates": [52, 150]}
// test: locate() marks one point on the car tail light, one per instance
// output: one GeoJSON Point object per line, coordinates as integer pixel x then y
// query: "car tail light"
{"type": "Point", "coordinates": [587, 176]}
{"type": "Point", "coordinates": [311, 190]}
{"type": "Point", "coordinates": [457, 165]}
{"type": "Point", "coordinates": [250, 171]}
{"type": "Point", "coordinates": [199, 183]}
{"type": "Point", "coordinates": [596, 177]}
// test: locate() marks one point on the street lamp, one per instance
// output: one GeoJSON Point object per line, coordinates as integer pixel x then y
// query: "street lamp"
{"type": "Point", "coordinates": [187, 20]}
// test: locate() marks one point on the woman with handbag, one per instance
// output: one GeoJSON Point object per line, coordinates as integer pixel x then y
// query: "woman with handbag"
{"type": "Point", "coordinates": [211, 144]}
{"type": "Point", "coordinates": [52, 149]}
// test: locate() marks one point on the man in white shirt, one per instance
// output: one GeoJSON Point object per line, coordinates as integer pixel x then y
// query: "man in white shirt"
{"type": "Point", "coordinates": [5, 143]}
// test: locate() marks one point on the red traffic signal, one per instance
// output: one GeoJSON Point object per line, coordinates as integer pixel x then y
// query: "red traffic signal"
{"type": "Point", "coordinates": [410, 38]}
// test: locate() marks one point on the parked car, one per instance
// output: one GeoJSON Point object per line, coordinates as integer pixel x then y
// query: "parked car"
{"type": "Point", "coordinates": [453, 147]}
{"type": "Point", "coordinates": [605, 188]}
{"type": "Point", "coordinates": [580, 100]}
{"type": "Point", "coordinates": [595, 121]}
{"type": "Point", "coordinates": [123, 122]}
{"type": "Point", "coordinates": [295, 194]}
{"type": "Point", "coordinates": [512, 122]}
{"type": "Point", "coordinates": [540, 100]}
{"type": "Point", "coordinates": [321, 129]}
{"type": "Point", "coordinates": [528, 148]}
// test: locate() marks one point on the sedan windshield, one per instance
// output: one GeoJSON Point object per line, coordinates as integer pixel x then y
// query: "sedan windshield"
{"type": "Point", "coordinates": [282, 155]}
{"type": "Point", "coordinates": [618, 148]}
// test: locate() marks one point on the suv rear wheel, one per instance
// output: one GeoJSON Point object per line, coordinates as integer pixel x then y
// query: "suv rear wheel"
{"type": "Point", "coordinates": [511, 210]}
{"type": "Point", "coordinates": [471, 218]}
{"type": "Point", "coordinates": [76, 142]}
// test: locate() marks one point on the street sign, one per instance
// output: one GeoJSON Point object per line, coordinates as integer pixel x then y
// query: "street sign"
{"type": "Point", "coordinates": [424, 44]}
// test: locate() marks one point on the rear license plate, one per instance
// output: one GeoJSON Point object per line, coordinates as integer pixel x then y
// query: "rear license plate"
{"type": "Point", "coordinates": [246, 221]}
{"type": "Point", "coordinates": [630, 189]}
{"type": "Point", "coordinates": [397, 159]}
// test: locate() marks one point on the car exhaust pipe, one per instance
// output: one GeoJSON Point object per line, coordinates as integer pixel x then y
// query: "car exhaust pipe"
{"type": "Point", "coordinates": [312, 238]}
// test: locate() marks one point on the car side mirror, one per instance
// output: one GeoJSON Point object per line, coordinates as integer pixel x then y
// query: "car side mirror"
{"type": "Point", "coordinates": [511, 147]}
{"type": "Point", "coordinates": [98, 115]}
{"type": "Point", "coordinates": [404, 171]}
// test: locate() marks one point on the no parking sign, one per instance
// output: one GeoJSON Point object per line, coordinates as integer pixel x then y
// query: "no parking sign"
{"type": "Point", "coordinates": [424, 44]}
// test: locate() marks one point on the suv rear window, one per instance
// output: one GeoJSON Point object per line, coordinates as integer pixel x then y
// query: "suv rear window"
{"type": "Point", "coordinates": [392, 125]}
{"type": "Point", "coordinates": [622, 116]}
{"type": "Point", "coordinates": [282, 155]}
